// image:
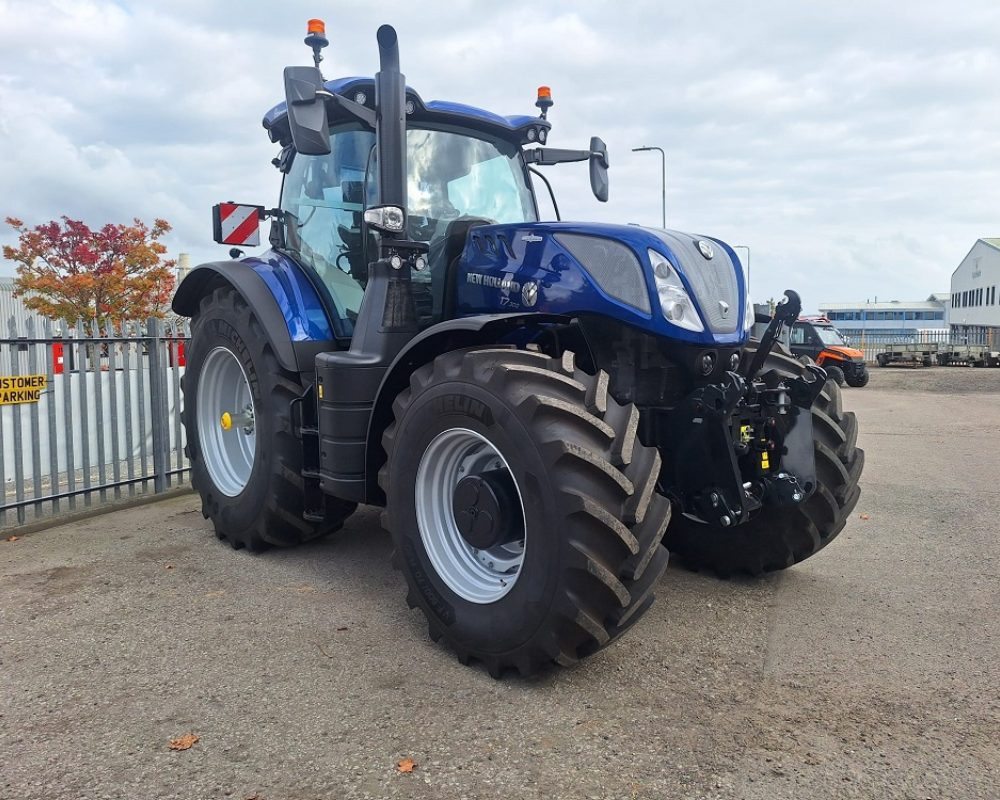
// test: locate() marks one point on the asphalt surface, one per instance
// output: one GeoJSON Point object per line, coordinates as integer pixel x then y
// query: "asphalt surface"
{"type": "Point", "coordinates": [870, 671]}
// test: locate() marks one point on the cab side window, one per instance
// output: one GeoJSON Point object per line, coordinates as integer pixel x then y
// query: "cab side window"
{"type": "Point", "coordinates": [798, 334]}
{"type": "Point", "coordinates": [323, 201]}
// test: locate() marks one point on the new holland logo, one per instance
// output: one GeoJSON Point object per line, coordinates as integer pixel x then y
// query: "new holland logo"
{"type": "Point", "coordinates": [529, 293]}
{"type": "Point", "coordinates": [503, 282]}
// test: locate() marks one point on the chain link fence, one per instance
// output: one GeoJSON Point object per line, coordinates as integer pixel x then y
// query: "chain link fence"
{"type": "Point", "coordinates": [88, 415]}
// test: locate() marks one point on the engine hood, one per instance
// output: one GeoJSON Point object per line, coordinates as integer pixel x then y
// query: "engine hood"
{"type": "Point", "coordinates": [848, 353]}
{"type": "Point", "coordinates": [576, 268]}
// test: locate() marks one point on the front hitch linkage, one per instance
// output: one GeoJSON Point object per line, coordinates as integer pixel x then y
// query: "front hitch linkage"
{"type": "Point", "coordinates": [785, 313]}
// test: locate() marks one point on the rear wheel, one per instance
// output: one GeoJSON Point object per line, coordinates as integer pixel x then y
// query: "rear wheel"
{"type": "Point", "coordinates": [245, 458]}
{"type": "Point", "coordinates": [780, 536]}
{"type": "Point", "coordinates": [522, 507]}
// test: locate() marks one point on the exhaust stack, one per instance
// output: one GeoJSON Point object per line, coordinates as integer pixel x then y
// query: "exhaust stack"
{"type": "Point", "coordinates": [390, 121]}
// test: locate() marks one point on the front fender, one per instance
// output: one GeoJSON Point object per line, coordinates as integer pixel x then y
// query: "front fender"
{"type": "Point", "coordinates": [452, 334]}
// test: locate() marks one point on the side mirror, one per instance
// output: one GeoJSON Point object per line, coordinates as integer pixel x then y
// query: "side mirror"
{"type": "Point", "coordinates": [306, 111]}
{"type": "Point", "coordinates": [599, 168]}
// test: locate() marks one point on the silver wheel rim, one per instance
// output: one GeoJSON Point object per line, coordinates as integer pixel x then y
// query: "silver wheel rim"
{"type": "Point", "coordinates": [224, 397]}
{"type": "Point", "coordinates": [479, 576]}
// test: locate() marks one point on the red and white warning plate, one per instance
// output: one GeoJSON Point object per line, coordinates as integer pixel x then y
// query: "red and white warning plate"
{"type": "Point", "coordinates": [235, 223]}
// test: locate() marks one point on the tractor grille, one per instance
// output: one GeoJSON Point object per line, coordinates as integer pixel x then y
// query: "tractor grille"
{"type": "Point", "coordinates": [711, 280]}
{"type": "Point", "coordinates": [612, 264]}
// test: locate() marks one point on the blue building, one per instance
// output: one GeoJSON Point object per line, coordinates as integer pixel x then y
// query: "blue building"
{"type": "Point", "coordinates": [896, 317]}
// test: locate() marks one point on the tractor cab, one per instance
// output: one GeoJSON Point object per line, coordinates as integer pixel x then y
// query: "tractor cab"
{"type": "Point", "coordinates": [456, 179]}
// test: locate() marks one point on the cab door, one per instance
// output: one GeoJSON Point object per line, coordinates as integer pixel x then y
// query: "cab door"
{"type": "Point", "coordinates": [322, 201]}
{"type": "Point", "coordinates": [804, 341]}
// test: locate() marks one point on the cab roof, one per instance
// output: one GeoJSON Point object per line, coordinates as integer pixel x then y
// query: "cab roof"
{"type": "Point", "coordinates": [521, 129]}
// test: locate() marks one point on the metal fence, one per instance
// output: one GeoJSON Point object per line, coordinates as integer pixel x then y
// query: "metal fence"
{"type": "Point", "coordinates": [106, 423]}
{"type": "Point", "coordinates": [871, 343]}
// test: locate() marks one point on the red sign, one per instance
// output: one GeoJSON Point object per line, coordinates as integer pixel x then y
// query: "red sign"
{"type": "Point", "coordinates": [237, 224]}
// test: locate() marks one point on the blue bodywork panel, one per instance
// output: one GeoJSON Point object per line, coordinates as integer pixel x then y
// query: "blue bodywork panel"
{"type": "Point", "coordinates": [529, 252]}
{"type": "Point", "coordinates": [499, 260]}
{"type": "Point", "coordinates": [297, 297]}
{"type": "Point", "coordinates": [437, 111]}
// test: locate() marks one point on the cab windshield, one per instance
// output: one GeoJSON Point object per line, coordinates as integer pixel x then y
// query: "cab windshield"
{"type": "Point", "coordinates": [454, 179]}
{"type": "Point", "coordinates": [452, 175]}
{"type": "Point", "coordinates": [830, 335]}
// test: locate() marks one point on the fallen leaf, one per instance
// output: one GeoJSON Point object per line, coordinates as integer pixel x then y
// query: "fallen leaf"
{"type": "Point", "coordinates": [185, 742]}
{"type": "Point", "coordinates": [865, 516]}
{"type": "Point", "coordinates": [342, 629]}
{"type": "Point", "coordinates": [406, 765]}
{"type": "Point", "coordinates": [13, 538]}
{"type": "Point", "coordinates": [169, 566]}
{"type": "Point", "coordinates": [323, 651]}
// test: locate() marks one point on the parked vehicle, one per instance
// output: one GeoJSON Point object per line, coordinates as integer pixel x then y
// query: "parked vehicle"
{"type": "Point", "coordinates": [539, 406]}
{"type": "Point", "coordinates": [817, 338]}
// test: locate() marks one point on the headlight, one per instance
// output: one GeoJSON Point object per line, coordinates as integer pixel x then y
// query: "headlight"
{"type": "Point", "coordinates": [386, 218]}
{"type": "Point", "coordinates": [674, 300]}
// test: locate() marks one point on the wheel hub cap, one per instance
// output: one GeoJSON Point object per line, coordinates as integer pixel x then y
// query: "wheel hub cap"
{"type": "Point", "coordinates": [486, 509]}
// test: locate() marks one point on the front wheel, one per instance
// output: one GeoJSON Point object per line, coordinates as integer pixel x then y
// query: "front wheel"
{"type": "Point", "coordinates": [522, 507]}
{"type": "Point", "coordinates": [780, 536]}
{"type": "Point", "coordinates": [835, 374]}
{"type": "Point", "coordinates": [858, 380]}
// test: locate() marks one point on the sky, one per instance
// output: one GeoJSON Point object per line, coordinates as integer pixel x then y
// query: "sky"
{"type": "Point", "coordinates": [853, 147]}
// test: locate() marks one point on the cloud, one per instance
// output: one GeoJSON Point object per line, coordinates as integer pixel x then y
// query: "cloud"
{"type": "Point", "coordinates": [854, 149]}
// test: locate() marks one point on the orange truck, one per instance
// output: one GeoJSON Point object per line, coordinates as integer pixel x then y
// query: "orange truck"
{"type": "Point", "coordinates": [817, 338]}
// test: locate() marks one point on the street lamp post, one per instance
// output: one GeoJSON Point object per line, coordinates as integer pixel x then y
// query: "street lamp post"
{"type": "Point", "coordinates": [663, 183]}
{"type": "Point", "coordinates": [747, 248]}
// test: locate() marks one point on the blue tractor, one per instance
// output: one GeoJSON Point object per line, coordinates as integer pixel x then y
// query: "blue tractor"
{"type": "Point", "coordinates": [542, 408]}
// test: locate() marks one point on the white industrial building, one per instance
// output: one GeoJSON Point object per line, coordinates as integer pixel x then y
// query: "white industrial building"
{"type": "Point", "coordinates": [975, 304]}
{"type": "Point", "coordinates": [13, 308]}
{"type": "Point", "coordinates": [897, 317]}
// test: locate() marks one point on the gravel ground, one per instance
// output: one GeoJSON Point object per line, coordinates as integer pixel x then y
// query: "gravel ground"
{"type": "Point", "coordinates": [946, 380]}
{"type": "Point", "coordinates": [871, 671]}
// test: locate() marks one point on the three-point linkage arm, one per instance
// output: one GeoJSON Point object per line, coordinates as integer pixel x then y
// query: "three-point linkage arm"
{"type": "Point", "coordinates": [785, 313]}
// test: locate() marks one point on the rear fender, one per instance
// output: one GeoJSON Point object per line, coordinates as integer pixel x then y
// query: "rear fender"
{"type": "Point", "coordinates": [280, 297]}
{"type": "Point", "coordinates": [454, 334]}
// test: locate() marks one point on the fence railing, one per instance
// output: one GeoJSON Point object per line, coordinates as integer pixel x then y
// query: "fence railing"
{"type": "Point", "coordinates": [871, 343]}
{"type": "Point", "coordinates": [88, 414]}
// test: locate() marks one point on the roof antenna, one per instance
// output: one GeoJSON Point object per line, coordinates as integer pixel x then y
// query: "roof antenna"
{"type": "Point", "coordinates": [316, 38]}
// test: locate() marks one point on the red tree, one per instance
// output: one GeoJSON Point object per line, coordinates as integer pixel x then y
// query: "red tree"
{"type": "Point", "coordinates": [70, 272]}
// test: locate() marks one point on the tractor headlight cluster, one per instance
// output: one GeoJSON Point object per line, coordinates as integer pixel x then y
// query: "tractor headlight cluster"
{"type": "Point", "coordinates": [675, 303]}
{"type": "Point", "coordinates": [386, 218]}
